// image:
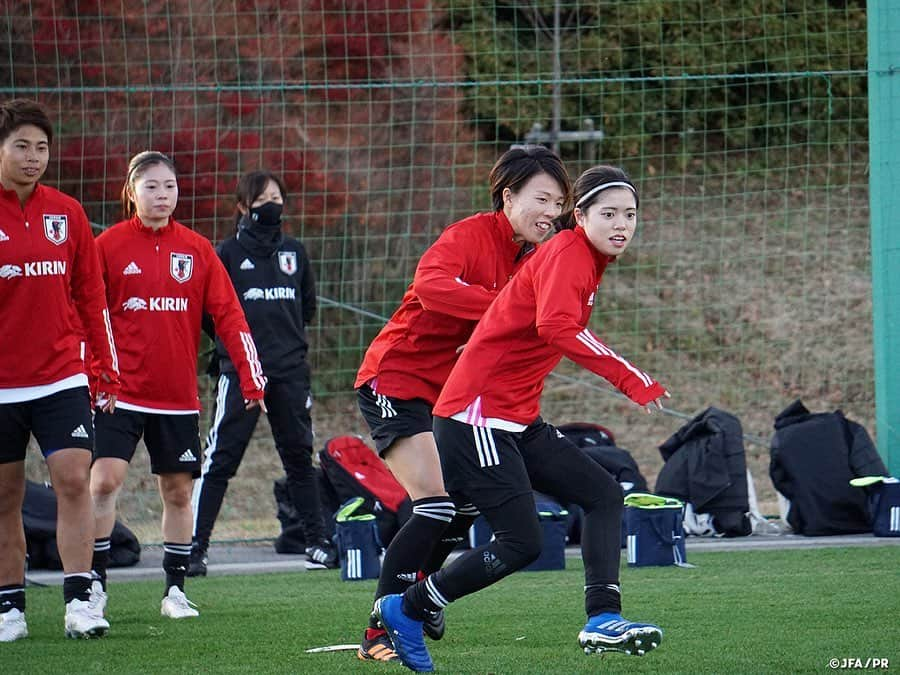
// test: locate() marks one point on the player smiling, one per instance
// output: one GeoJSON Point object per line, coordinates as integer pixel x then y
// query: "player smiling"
{"type": "Point", "coordinates": [495, 447]}
{"type": "Point", "coordinates": [408, 362]}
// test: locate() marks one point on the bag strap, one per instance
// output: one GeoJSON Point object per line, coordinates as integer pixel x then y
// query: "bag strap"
{"type": "Point", "coordinates": [667, 539]}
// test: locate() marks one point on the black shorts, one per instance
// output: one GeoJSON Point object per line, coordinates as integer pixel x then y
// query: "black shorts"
{"type": "Point", "coordinates": [391, 418]}
{"type": "Point", "coordinates": [173, 441]}
{"type": "Point", "coordinates": [481, 466]}
{"type": "Point", "coordinates": [58, 421]}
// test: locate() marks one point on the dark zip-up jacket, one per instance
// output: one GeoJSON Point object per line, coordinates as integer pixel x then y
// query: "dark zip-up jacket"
{"type": "Point", "coordinates": [278, 294]}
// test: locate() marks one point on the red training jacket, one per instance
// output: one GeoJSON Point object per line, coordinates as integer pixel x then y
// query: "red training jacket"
{"type": "Point", "coordinates": [541, 316]}
{"type": "Point", "coordinates": [456, 280]}
{"type": "Point", "coordinates": [158, 284]}
{"type": "Point", "coordinates": [51, 292]}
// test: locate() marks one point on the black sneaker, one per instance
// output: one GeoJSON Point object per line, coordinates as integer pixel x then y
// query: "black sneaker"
{"type": "Point", "coordinates": [198, 561]}
{"type": "Point", "coordinates": [321, 556]}
{"type": "Point", "coordinates": [434, 626]}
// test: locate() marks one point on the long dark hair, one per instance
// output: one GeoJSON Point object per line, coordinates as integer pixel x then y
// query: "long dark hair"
{"type": "Point", "coordinates": [252, 185]}
{"type": "Point", "coordinates": [136, 167]}
{"type": "Point", "coordinates": [586, 190]}
{"type": "Point", "coordinates": [516, 166]}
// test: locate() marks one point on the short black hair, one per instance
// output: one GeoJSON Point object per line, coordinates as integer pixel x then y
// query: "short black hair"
{"type": "Point", "coordinates": [18, 112]}
{"type": "Point", "coordinates": [516, 167]}
{"type": "Point", "coordinates": [252, 185]}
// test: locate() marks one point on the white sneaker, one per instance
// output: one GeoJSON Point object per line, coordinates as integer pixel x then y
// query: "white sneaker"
{"type": "Point", "coordinates": [84, 620]}
{"type": "Point", "coordinates": [12, 626]}
{"type": "Point", "coordinates": [98, 597]}
{"type": "Point", "coordinates": [176, 605]}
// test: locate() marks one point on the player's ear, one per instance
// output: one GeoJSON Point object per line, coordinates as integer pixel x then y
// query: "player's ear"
{"type": "Point", "coordinates": [578, 216]}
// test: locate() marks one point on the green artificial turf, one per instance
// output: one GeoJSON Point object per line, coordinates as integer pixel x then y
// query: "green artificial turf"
{"type": "Point", "coordinates": [736, 612]}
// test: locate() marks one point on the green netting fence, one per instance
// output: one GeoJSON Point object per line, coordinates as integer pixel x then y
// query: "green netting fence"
{"type": "Point", "coordinates": [743, 123]}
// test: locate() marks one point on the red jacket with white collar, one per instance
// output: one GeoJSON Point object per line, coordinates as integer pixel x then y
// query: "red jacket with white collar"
{"type": "Point", "coordinates": [541, 316]}
{"type": "Point", "coordinates": [51, 292]}
{"type": "Point", "coordinates": [456, 280]}
{"type": "Point", "coordinates": [158, 284]}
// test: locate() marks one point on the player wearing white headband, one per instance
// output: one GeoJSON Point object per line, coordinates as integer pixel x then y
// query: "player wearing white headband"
{"type": "Point", "coordinates": [495, 447]}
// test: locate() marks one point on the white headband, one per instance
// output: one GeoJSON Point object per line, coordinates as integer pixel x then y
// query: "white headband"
{"type": "Point", "coordinates": [604, 186]}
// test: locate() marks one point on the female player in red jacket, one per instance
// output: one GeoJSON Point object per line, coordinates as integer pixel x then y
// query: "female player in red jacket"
{"type": "Point", "coordinates": [49, 280]}
{"type": "Point", "coordinates": [160, 279]}
{"type": "Point", "coordinates": [406, 365]}
{"type": "Point", "coordinates": [494, 445]}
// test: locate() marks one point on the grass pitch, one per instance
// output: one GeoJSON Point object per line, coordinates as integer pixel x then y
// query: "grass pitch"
{"type": "Point", "coordinates": [736, 612]}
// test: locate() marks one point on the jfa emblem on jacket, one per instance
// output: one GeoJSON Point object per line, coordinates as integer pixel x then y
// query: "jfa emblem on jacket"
{"type": "Point", "coordinates": [287, 261]}
{"type": "Point", "coordinates": [181, 266]}
{"type": "Point", "coordinates": [56, 228]}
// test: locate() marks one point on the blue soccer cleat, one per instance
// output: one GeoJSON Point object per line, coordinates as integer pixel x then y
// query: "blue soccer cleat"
{"type": "Point", "coordinates": [611, 633]}
{"type": "Point", "coordinates": [405, 633]}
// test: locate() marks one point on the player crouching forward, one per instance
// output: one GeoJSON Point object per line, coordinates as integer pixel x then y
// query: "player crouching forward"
{"type": "Point", "coordinates": [487, 411]}
{"type": "Point", "coordinates": [160, 279]}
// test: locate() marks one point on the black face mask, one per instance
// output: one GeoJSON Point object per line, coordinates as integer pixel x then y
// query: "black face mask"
{"type": "Point", "coordinates": [266, 217]}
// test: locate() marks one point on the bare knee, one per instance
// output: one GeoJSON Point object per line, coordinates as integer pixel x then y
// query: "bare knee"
{"type": "Point", "coordinates": [176, 490]}
{"type": "Point", "coordinates": [72, 484]}
{"type": "Point", "coordinates": [177, 499]}
{"type": "Point", "coordinates": [106, 480]}
{"type": "Point", "coordinates": [415, 463]}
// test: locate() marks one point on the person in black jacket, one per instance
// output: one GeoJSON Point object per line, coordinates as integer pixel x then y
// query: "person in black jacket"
{"type": "Point", "coordinates": [274, 281]}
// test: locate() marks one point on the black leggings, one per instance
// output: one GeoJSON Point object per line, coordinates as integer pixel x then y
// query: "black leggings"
{"type": "Point", "coordinates": [496, 471]}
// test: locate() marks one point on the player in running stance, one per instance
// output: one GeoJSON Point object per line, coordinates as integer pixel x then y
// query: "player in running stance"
{"type": "Point", "coordinates": [408, 362]}
{"type": "Point", "coordinates": [160, 279]}
{"type": "Point", "coordinates": [49, 275]}
{"type": "Point", "coordinates": [495, 448]}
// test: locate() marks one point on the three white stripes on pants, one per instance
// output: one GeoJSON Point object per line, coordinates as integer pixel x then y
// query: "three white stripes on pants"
{"type": "Point", "coordinates": [484, 446]}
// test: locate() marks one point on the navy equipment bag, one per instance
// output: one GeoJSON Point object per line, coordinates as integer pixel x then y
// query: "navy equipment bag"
{"type": "Point", "coordinates": [654, 530]}
{"type": "Point", "coordinates": [356, 536]}
{"type": "Point", "coordinates": [884, 503]}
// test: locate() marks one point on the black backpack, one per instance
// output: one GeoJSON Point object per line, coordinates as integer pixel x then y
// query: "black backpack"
{"type": "Point", "coordinates": [292, 539]}
{"type": "Point", "coordinates": [707, 467]}
{"type": "Point", "coordinates": [813, 458]}
{"type": "Point", "coordinates": [39, 520]}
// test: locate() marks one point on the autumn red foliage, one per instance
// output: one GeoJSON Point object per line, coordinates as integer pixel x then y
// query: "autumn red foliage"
{"type": "Point", "coordinates": [327, 93]}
